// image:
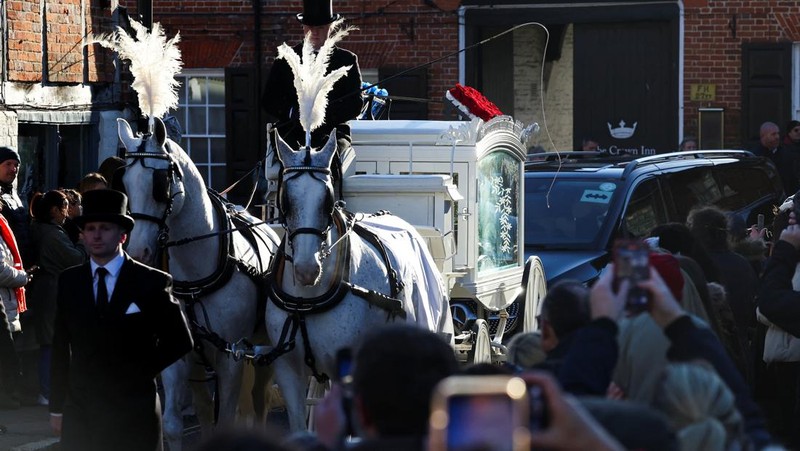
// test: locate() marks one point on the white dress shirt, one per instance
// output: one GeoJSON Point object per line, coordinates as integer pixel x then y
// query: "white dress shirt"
{"type": "Point", "coordinates": [113, 267]}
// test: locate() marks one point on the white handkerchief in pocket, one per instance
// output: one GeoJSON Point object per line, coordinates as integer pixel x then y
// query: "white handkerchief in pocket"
{"type": "Point", "coordinates": [133, 308]}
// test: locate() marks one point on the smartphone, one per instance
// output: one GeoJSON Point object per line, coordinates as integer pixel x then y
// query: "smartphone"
{"type": "Point", "coordinates": [344, 376]}
{"type": "Point", "coordinates": [632, 263]}
{"type": "Point", "coordinates": [538, 417]}
{"type": "Point", "coordinates": [344, 364]}
{"type": "Point", "coordinates": [487, 412]}
{"type": "Point", "coordinates": [760, 224]}
{"type": "Point", "coordinates": [796, 206]}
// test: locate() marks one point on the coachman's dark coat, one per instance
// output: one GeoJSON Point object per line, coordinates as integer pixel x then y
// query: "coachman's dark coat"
{"type": "Point", "coordinates": [104, 366]}
{"type": "Point", "coordinates": [344, 100]}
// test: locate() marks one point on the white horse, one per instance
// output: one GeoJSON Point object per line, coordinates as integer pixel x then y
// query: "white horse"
{"type": "Point", "coordinates": [338, 276]}
{"type": "Point", "coordinates": [216, 268]}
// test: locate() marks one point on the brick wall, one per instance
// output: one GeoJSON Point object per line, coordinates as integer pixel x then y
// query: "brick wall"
{"type": "Point", "coordinates": [713, 54]}
{"type": "Point", "coordinates": [403, 34]}
{"type": "Point", "coordinates": [24, 40]}
{"type": "Point", "coordinates": [68, 21]}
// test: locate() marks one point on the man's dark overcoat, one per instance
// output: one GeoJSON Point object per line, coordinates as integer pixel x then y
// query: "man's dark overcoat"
{"type": "Point", "coordinates": [344, 100]}
{"type": "Point", "coordinates": [105, 364]}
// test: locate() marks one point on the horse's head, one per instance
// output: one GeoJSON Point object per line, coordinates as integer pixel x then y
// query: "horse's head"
{"type": "Point", "coordinates": [306, 201]}
{"type": "Point", "coordinates": [154, 184]}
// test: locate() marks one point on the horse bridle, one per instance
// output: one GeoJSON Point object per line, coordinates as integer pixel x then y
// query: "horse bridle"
{"type": "Point", "coordinates": [331, 204]}
{"type": "Point", "coordinates": [163, 179]}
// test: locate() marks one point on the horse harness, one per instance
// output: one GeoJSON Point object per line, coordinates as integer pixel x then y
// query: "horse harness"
{"type": "Point", "coordinates": [191, 291]}
{"type": "Point", "coordinates": [299, 307]}
{"type": "Point", "coordinates": [163, 179]}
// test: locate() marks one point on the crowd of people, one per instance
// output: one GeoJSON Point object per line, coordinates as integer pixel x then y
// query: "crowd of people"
{"type": "Point", "coordinates": [40, 240]}
{"type": "Point", "coordinates": [687, 373]}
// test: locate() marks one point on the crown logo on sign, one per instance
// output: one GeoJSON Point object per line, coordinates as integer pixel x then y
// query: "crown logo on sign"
{"type": "Point", "coordinates": [622, 132]}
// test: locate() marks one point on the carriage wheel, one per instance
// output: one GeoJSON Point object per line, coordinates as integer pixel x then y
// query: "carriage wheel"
{"type": "Point", "coordinates": [481, 351]}
{"type": "Point", "coordinates": [535, 284]}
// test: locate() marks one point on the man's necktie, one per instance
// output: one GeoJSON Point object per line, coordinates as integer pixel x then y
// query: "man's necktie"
{"type": "Point", "coordinates": [102, 290]}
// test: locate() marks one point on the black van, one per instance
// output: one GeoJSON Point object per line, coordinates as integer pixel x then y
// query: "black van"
{"type": "Point", "coordinates": [578, 203]}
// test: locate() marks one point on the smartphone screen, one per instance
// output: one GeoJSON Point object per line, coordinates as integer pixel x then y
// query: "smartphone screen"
{"type": "Point", "coordinates": [479, 412]}
{"type": "Point", "coordinates": [481, 421]}
{"type": "Point", "coordinates": [632, 263]}
{"type": "Point", "coordinates": [344, 363]}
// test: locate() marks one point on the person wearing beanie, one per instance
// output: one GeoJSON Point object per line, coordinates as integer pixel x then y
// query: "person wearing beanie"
{"type": "Point", "coordinates": [15, 212]}
{"type": "Point", "coordinates": [14, 249]}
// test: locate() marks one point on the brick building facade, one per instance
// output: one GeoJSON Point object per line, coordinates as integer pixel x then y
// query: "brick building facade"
{"type": "Point", "coordinates": [718, 37]}
{"type": "Point", "coordinates": [741, 58]}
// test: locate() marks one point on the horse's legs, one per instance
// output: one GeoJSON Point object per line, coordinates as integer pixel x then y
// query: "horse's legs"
{"type": "Point", "coordinates": [229, 384]}
{"type": "Point", "coordinates": [201, 395]}
{"type": "Point", "coordinates": [292, 377]}
{"type": "Point", "coordinates": [173, 378]}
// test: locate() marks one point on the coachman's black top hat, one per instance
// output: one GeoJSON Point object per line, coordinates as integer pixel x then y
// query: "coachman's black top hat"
{"type": "Point", "coordinates": [317, 12]}
{"type": "Point", "coordinates": [105, 205]}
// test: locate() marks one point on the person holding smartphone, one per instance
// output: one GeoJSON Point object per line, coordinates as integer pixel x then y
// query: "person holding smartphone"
{"type": "Point", "coordinates": [685, 339]}
{"type": "Point", "coordinates": [395, 370]}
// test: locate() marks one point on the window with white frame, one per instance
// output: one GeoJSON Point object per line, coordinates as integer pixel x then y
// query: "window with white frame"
{"type": "Point", "coordinates": [201, 112]}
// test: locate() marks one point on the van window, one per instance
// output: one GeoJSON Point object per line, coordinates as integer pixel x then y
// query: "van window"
{"type": "Point", "coordinates": [742, 186]}
{"type": "Point", "coordinates": [645, 209]}
{"type": "Point", "coordinates": [728, 187]}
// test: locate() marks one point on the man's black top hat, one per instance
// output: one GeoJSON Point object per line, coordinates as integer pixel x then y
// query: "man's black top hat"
{"type": "Point", "coordinates": [317, 12]}
{"type": "Point", "coordinates": [105, 205]}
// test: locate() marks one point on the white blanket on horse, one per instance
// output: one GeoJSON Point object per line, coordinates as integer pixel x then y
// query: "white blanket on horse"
{"type": "Point", "coordinates": [427, 300]}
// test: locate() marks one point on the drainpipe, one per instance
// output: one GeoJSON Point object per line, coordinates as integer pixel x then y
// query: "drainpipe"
{"type": "Point", "coordinates": [681, 45]}
{"type": "Point", "coordinates": [259, 60]}
{"type": "Point", "coordinates": [461, 44]}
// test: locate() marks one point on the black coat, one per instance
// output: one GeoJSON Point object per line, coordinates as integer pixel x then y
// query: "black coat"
{"type": "Point", "coordinates": [344, 100]}
{"type": "Point", "coordinates": [787, 163]}
{"type": "Point", "coordinates": [104, 366]}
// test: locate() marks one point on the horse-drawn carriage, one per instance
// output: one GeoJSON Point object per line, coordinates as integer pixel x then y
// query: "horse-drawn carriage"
{"type": "Point", "coordinates": [335, 274]}
{"type": "Point", "coordinates": [461, 185]}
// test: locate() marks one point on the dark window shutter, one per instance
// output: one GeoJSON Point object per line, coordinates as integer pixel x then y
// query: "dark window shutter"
{"type": "Point", "coordinates": [766, 87]}
{"type": "Point", "coordinates": [244, 140]}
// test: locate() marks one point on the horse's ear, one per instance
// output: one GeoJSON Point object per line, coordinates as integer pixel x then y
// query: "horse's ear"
{"type": "Point", "coordinates": [125, 133]}
{"type": "Point", "coordinates": [325, 155]}
{"type": "Point", "coordinates": [285, 152]}
{"type": "Point", "coordinates": [160, 131]}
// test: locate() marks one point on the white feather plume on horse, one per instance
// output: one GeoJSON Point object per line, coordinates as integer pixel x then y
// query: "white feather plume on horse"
{"type": "Point", "coordinates": [154, 63]}
{"type": "Point", "coordinates": [310, 81]}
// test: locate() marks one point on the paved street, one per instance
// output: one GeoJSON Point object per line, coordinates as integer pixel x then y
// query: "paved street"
{"type": "Point", "coordinates": [28, 429]}
{"type": "Point", "coordinates": [25, 429]}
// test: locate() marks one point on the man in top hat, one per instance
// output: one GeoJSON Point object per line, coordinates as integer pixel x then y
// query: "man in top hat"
{"type": "Point", "coordinates": [344, 100]}
{"type": "Point", "coordinates": [117, 326]}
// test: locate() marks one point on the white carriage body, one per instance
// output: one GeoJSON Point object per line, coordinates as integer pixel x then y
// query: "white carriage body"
{"type": "Point", "coordinates": [461, 184]}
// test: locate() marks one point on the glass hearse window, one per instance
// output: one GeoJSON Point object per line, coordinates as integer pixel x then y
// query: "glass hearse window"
{"type": "Point", "coordinates": [498, 204]}
{"type": "Point", "coordinates": [574, 215]}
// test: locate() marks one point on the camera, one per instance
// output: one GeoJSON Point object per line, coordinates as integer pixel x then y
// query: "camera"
{"type": "Point", "coordinates": [632, 263]}
{"type": "Point", "coordinates": [489, 412]}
